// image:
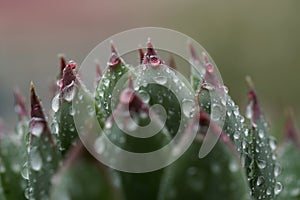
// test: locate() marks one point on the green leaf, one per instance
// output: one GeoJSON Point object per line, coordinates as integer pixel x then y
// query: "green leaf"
{"type": "Point", "coordinates": [11, 157]}
{"type": "Point", "coordinates": [288, 156]}
{"type": "Point", "coordinates": [63, 121]}
{"type": "Point", "coordinates": [104, 91]}
{"type": "Point", "coordinates": [43, 156]}
{"type": "Point", "coordinates": [83, 178]}
{"type": "Point", "coordinates": [261, 160]}
{"type": "Point", "coordinates": [218, 175]}
{"type": "Point", "coordinates": [136, 186]}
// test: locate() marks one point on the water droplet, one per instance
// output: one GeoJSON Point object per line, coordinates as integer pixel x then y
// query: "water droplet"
{"type": "Point", "coordinates": [229, 113]}
{"type": "Point", "coordinates": [69, 93]}
{"type": "Point", "coordinates": [261, 164]}
{"type": "Point", "coordinates": [25, 172]}
{"type": "Point", "coordinates": [236, 110]}
{"type": "Point", "coordinates": [99, 145]}
{"type": "Point", "coordinates": [216, 112]}
{"type": "Point", "coordinates": [261, 133]}
{"type": "Point", "coordinates": [225, 89]}
{"type": "Point", "coordinates": [233, 166]}
{"type": "Point", "coordinates": [106, 82]}
{"type": "Point", "coordinates": [269, 191]}
{"type": "Point", "coordinates": [272, 143]}
{"type": "Point", "coordinates": [278, 188]}
{"type": "Point", "coordinates": [144, 96]}
{"type": "Point", "coordinates": [249, 111]}
{"type": "Point", "coordinates": [55, 103]}
{"type": "Point", "coordinates": [277, 170]}
{"type": "Point", "coordinates": [188, 107]}
{"type": "Point", "coordinates": [162, 80]}
{"type": "Point", "coordinates": [236, 135]}
{"type": "Point", "coordinates": [260, 180]}
{"type": "Point", "coordinates": [35, 159]}
{"type": "Point", "coordinates": [131, 126]}
{"type": "Point", "coordinates": [37, 127]}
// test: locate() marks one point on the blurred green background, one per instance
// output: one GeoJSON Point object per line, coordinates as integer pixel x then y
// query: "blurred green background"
{"type": "Point", "coordinates": [250, 37]}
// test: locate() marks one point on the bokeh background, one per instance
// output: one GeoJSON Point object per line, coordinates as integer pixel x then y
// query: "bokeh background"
{"type": "Point", "coordinates": [250, 37]}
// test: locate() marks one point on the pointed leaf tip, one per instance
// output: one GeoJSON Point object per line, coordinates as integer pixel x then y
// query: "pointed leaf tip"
{"type": "Point", "coordinates": [194, 55]}
{"type": "Point", "coordinates": [171, 62]}
{"type": "Point", "coordinates": [253, 109]}
{"type": "Point", "coordinates": [20, 105]}
{"type": "Point", "coordinates": [115, 58]}
{"type": "Point", "coordinates": [151, 56]}
{"type": "Point", "coordinates": [141, 55]}
{"type": "Point", "coordinates": [68, 75]}
{"type": "Point", "coordinates": [291, 133]}
{"type": "Point", "coordinates": [36, 108]}
{"type": "Point", "coordinates": [63, 64]}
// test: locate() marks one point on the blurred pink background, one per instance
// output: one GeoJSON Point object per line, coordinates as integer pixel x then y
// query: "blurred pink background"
{"type": "Point", "coordinates": [257, 38]}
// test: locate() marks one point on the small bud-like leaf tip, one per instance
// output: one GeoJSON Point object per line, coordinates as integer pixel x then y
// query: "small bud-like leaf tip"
{"type": "Point", "coordinates": [291, 133]}
{"type": "Point", "coordinates": [151, 56]}
{"type": "Point", "coordinates": [98, 72]}
{"type": "Point", "coordinates": [171, 62]}
{"type": "Point", "coordinates": [210, 73]}
{"type": "Point", "coordinates": [68, 75]}
{"type": "Point", "coordinates": [115, 58]}
{"type": "Point", "coordinates": [141, 55]}
{"type": "Point", "coordinates": [253, 102]}
{"type": "Point", "coordinates": [63, 64]}
{"type": "Point", "coordinates": [130, 82]}
{"type": "Point", "coordinates": [36, 108]}
{"type": "Point", "coordinates": [193, 54]}
{"type": "Point", "coordinates": [113, 48]}
{"type": "Point", "coordinates": [20, 105]}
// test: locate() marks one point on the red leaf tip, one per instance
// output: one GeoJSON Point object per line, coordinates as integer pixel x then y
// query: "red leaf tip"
{"type": "Point", "coordinates": [36, 108]}
{"type": "Point", "coordinates": [151, 55]}
{"type": "Point", "coordinates": [63, 64]}
{"type": "Point", "coordinates": [115, 58]}
{"type": "Point", "coordinates": [254, 107]}
{"type": "Point", "coordinates": [69, 76]}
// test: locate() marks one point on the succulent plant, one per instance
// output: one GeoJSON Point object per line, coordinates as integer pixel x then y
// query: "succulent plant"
{"type": "Point", "coordinates": [45, 159]}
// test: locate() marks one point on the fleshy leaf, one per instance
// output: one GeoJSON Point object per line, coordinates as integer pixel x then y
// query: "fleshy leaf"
{"type": "Point", "coordinates": [43, 156]}
{"type": "Point", "coordinates": [136, 186]}
{"type": "Point", "coordinates": [63, 123]}
{"type": "Point", "coordinates": [288, 156]}
{"type": "Point", "coordinates": [82, 177]}
{"type": "Point", "coordinates": [115, 70]}
{"type": "Point", "coordinates": [219, 175]}
{"type": "Point", "coordinates": [261, 161]}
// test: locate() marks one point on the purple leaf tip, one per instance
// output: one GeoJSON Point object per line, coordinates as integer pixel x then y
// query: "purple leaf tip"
{"type": "Point", "coordinates": [151, 56]}
{"type": "Point", "coordinates": [36, 108]}
{"type": "Point", "coordinates": [141, 55]}
{"type": "Point", "coordinates": [254, 110]}
{"type": "Point", "coordinates": [115, 58]}
{"type": "Point", "coordinates": [63, 64]}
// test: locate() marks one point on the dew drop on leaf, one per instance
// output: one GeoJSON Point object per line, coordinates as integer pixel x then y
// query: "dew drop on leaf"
{"type": "Point", "coordinates": [188, 107]}
{"type": "Point", "coordinates": [260, 180]}
{"type": "Point", "coordinates": [99, 145]}
{"type": "Point", "coordinates": [55, 103]}
{"type": "Point", "coordinates": [162, 80]}
{"type": "Point", "coordinates": [261, 164]}
{"type": "Point", "coordinates": [144, 96]}
{"type": "Point", "coordinates": [278, 188]}
{"type": "Point", "coordinates": [37, 128]}
{"type": "Point", "coordinates": [25, 172]}
{"type": "Point", "coordinates": [35, 159]}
